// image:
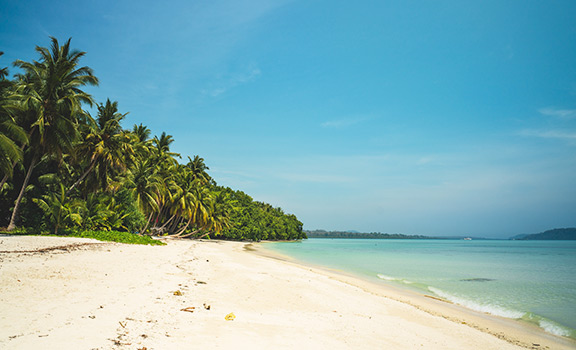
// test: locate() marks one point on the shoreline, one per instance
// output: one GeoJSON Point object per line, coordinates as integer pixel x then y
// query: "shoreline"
{"type": "Point", "coordinates": [178, 296]}
{"type": "Point", "coordinates": [513, 331]}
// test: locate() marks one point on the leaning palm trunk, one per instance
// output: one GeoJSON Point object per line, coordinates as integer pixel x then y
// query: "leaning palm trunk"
{"type": "Point", "coordinates": [6, 177]}
{"type": "Point", "coordinates": [179, 233]}
{"type": "Point", "coordinates": [188, 234]}
{"type": "Point", "coordinates": [166, 223]}
{"type": "Point", "coordinates": [174, 225]}
{"type": "Point", "coordinates": [147, 223]}
{"type": "Point", "coordinates": [92, 164]}
{"type": "Point", "coordinates": [4, 180]}
{"type": "Point", "coordinates": [204, 235]}
{"type": "Point", "coordinates": [14, 216]}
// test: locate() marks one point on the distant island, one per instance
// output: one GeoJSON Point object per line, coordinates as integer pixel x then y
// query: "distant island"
{"type": "Point", "coordinates": [566, 234]}
{"type": "Point", "coordinates": [355, 234]}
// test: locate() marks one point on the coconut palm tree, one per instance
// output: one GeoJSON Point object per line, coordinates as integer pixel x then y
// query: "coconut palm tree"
{"type": "Point", "coordinates": [144, 186]}
{"type": "Point", "coordinates": [106, 145]}
{"type": "Point", "coordinates": [198, 168]}
{"type": "Point", "coordinates": [11, 134]}
{"type": "Point", "coordinates": [51, 89]}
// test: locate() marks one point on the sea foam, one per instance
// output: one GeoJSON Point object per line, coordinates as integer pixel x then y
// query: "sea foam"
{"type": "Point", "coordinates": [393, 279]}
{"type": "Point", "coordinates": [554, 328]}
{"type": "Point", "coordinates": [487, 308]}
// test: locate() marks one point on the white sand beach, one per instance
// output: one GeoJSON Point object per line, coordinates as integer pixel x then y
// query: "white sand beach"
{"type": "Point", "coordinates": [87, 294]}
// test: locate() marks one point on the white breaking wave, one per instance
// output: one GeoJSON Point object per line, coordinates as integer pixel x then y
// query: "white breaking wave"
{"type": "Point", "coordinates": [487, 308]}
{"type": "Point", "coordinates": [393, 279]}
{"type": "Point", "coordinates": [387, 278]}
{"type": "Point", "coordinates": [553, 328]}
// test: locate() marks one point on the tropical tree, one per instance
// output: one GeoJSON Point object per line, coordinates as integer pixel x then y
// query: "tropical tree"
{"type": "Point", "coordinates": [144, 184]}
{"type": "Point", "coordinates": [106, 145]}
{"type": "Point", "coordinates": [51, 89]}
{"type": "Point", "coordinates": [198, 168]}
{"type": "Point", "coordinates": [11, 134]}
{"type": "Point", "coordinates": [60, 210]}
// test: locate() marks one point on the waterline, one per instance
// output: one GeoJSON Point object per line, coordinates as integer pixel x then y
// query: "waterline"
{"type": "Point", "coordinates": [529, 281]}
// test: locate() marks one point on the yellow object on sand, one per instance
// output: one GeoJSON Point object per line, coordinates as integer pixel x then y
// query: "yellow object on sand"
{"type": "Point", "coordinates": [230, 317]}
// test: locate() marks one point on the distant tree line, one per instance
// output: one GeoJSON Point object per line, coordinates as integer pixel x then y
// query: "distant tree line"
{"type": "Point", "coordinates": [371, 235]}
{"type": "Point", "coordinates": [555, 234]}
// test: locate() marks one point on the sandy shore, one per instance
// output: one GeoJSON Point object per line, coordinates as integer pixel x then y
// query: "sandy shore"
{"type": "Point", "coordinates": [84, 294]}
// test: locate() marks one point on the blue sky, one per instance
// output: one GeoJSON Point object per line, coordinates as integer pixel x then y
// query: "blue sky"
{"type": "Point", "coordinates": [424, 117]}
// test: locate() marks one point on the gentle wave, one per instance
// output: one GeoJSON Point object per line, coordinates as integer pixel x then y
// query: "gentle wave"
{"type": "Point", "coordinates": [393, 279]}
{"type": "Point", "coordinates": [487, 308]}
{"type": "Point", "coordinates": [555, 328]}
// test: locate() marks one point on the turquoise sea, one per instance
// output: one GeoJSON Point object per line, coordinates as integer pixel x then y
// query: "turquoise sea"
{"type": "Point", "coordinates": [534, 281]}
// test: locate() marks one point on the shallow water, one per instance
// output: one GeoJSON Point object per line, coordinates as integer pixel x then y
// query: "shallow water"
{"type": "Point", "coordinates": [529, 280]}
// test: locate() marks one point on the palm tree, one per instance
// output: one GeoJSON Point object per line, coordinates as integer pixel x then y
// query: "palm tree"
{"type": "Point", "coordinates": [59, 210]}
{"type": "Point", "coordinates": [198, 168]}
{"type": "Point", "coordinates": [144, 185]}
{"type": "Point", "coordinates": [51, 89]}
{"type": "Point", "coordinates": [105, 144]}
{"type": "Point", "coordinates": [10, 132]}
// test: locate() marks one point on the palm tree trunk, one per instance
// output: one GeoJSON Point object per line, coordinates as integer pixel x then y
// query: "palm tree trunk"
{"type": "Point", "coordinates": [177, 234]}
{"type": "Point", "coordinates": [189, 234]}
{"type": "Point", "coordinates": [5, 179]}
{"type": "Point", "coordinates": [147, 223]}
{"type": "Point", "coordinates": [174, 224]}
{"type": "Point", "coordinates": [204, 235]}
{"type": "Point", "coordinates": [166, 223]}
{"type": "Point", "coordinates": [14, 216]}
{"type": "Point", "coordinates": [92, 164]}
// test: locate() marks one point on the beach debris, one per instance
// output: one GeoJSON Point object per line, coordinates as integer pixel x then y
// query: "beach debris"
{"type": "Point", "coordinates": [143, 348]}
{"type": "Point", "coordinates": [188, 309]}
{"type": "Point", "coordinates": [206, 306]}
{"type": "Point", "coordinates": [122, 324]}
{"type": "Point", "coordinates": [92, 316]}
{"type": "Point", "coordinates": [230, 317]}
{"type": "Point", "coordinates": [200, 282]}
{"type": "Point", "coordinates": [178, 293]}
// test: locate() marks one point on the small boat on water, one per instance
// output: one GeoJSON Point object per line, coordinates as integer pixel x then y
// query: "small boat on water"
{"type": "Point", "coordinates": [467, 239]}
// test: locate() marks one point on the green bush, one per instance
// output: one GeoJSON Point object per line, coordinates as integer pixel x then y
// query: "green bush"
{"type": "Point", "coordinates": [113, 236]}
{"type": "Point", "coordinates": [107, 236]}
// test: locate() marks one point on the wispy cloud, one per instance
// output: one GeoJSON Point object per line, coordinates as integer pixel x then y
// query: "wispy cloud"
{"type": "Point", "coordinates": [343, 123]}
{"type": "Point", "coordinates": [316, 178]}
{"type": "Point", "coordinates": [558, 113]}
{"type": "Point", "coordinates": [549, 134]}
{"type": "Point", "coordinates": [230, 81]}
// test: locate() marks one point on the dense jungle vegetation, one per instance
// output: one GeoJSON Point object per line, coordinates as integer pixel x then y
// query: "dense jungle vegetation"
{"type": "Point", "coordinates": [64, 170]}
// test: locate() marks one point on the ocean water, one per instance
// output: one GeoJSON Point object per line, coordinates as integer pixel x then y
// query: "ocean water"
{"type": "Point", "coordinates": [534, 281]}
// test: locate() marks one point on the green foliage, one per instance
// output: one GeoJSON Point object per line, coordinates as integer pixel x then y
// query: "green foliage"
{"type": "Point", "coordinates": [255, 221]}
{"type": "Point", "coordinates": [113, 236]}
{"type": "Point", "coordinates": [106, 236]}
{"type": "Point", "coordinates": [68, 172]}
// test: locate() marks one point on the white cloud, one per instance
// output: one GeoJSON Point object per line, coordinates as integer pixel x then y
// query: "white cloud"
{"type": "Point", "coordinates": [317, 178]}
{"type": "Point", "coordinates": [231, 81]}
{"type": "Point", "coordinates": [343, 123]}
{"type": "Point", "coordinates": [549, 134]}
{"type": "Point", "coordinates": [558, 113]}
